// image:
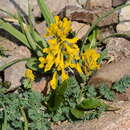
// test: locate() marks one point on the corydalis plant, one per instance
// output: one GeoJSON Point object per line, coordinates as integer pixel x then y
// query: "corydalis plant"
{"type": "Point", "coordinates": [63, 54]}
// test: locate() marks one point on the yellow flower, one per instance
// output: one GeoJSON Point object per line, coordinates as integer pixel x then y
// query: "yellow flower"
{"type": "Point", "coordinates": [49, 62]}
{"type": "Point", "coordinates": [90, 58]}
{"type": "Point", "coordinates": [59, 28]}
{"type": "Point", "coordinates": [29, 74]}
{"type": "Point", "coordinates": [73, 40]}
{"type": "Point", "coordinates": [64, 76]}
{"type": "Point", "coordinates": [53, 82]}
{"type": "Point", "coordinates": [42, 62]}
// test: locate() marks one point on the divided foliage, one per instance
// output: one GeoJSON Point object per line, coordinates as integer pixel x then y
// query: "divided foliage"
{"type": "Point", "coordinates": [27, 102]}
{"type": "Point", "coordinates": [27, 109]}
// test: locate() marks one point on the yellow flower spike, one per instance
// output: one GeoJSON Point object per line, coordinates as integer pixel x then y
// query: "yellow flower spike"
{"type": "Point", "coordinates": [53, 82]}
{"type": "Point", "coordinates": [62, 52]}
{"type": "Point", "coordinates": [29, 74]}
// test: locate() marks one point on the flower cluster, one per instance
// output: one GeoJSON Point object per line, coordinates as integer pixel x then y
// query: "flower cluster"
{"type": "Point", "coordinates": [62, 52]}
{"type": "Point", "coordinates": [89, 59]}
{"type": "Point", "coordinates": [29, 74]}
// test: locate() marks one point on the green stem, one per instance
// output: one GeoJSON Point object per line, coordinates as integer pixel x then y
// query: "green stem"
{"type": "Point", "coordinates": [4, 125]}
{"type": "Point", "coordinates": [25, 119]}
{"type": "Point", "coordinates": [45, 12]}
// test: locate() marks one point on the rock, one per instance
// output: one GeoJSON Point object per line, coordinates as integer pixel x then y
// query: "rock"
{"type": "Point", "coordinates": [80, 29]}
{"type": "Point", "coordinates": [118, 120]}
{"type": "Point", "coordinates": [22, 5]}
{"type": "Point", "coordinates": [124, 14]}
{"type": "Point", "coordinates": [58, 5]}
{"type": "Point", "coordinates": [124, 17]}
{"type": "Point", "coordinates": [95, 4]}
{"type": "Point", "coordinates": [8, 45]}
{"type": "Point", "coordinates": [41, 86]}
{"type": "Point", "coordinates": [110, 73]}
{"type": "Point", "coordinates": [82, 3]}
{"type": "Point", "coordinates": [90, 16]}
{"type": "Point", "coordinates": [123, 27]}
{"type": "Point", "coordinates": [118, 48]}
{"type": "Point", "coordinates": [41, 28]}
{"type": "Point", "coordinates": [118, 2]}
{"type": "Point", "coordinates": [123, 96]}
{"type": "Point", "coordinates": [15, 72]}
{"type": "Point", "coordinates": [104, 32]}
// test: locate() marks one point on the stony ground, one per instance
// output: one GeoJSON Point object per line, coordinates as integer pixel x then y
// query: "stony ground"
{"type": "Point", "coordinates": [82, 13]}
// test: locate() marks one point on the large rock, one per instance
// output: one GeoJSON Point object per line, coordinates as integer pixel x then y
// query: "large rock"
{"type": "Point", "coordinates": [41, 28]}
{"type": "Point", "coordinates": [118, 2]}
{"type": "Point", "coordinates": [118, 120]}
{"type": "Point", "coordinates": [123, 28]}
{"type": "Point", "coordinates": [8, 45]}
{"type": "Point", "coordinates": [118, 48]}
{"type": "Point", "coordinates": [57, 5]}
{"type": "Point", "coordinates": [41, 86]}
{"type": "Point", "coordinates": [124, 13]}
{"type": "Point", "coordinates": [15, 72]}
{"type": "Point", "coordinates": [124, 18]}
{"type": "Point", "coordinates": [21, 5]}
{"type": "Point", "coordinates": [95, 4]}
{"type": "Point", "coordinates": [90, 16]}
{"type": "Point", "coordinates": [112, 72]}
{"type": "Point", "coordinates": [80, 29]}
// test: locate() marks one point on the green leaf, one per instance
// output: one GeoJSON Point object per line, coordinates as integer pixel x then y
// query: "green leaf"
{"type": "Point", "coordinates": [106, 92]}
{"type": "Point", "coordinates": [45, 12]}
{"type": "Point", "coordinates": [103, 55]}
{"type": "Point", "coordinates": [93, 38]}
{"type": "Point", "coordinates": [25, 29]}
{"type": "Point", "coordinates": [90, 103]}
{"type": "Point", "coordinates": [61, 92]}
{"type": "Point", "coordinates": [79, 114]}
{"type": "Point", "coordinates": [122, 84]}
{"type": "Point", "coordinates": [27, 84]}
{"type": "Point", "coordinates": [32, 64]}
{"type": "Point", "coordinates": [12, 62]}
{"type": "Point", "coordinates": [8, 13]}
{"type": "Point", "coordinates": [13, 31]}
{"type": "Point", "coordinates": [58, 96]}
{"type": "Point", "coordinates": [90, 91]}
